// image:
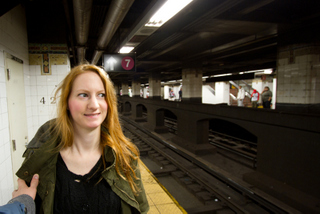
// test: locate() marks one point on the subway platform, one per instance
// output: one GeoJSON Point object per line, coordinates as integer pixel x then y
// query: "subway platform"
{"type": "Point", "coordinates": [160, 200]}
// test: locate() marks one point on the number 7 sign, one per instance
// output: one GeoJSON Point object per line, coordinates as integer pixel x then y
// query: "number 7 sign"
{"type": "Point", "coordinates": [127, 63]}
{"type": "Point", "coordinates": [119, 62]}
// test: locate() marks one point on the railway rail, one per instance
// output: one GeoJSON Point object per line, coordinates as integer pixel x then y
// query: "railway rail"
{"type": "Point", "coordinates": [217, 191]}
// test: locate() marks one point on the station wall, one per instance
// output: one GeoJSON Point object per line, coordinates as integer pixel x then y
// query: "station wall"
{"type": "Point", "coordinates": [13, 40]}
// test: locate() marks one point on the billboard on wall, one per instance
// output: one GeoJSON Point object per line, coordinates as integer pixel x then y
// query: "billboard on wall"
{"type": "Point", "coordinates": [119, 62]}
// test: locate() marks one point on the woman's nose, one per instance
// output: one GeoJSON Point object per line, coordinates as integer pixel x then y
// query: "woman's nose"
{"type": "Point", "coordinates": [93, 102]}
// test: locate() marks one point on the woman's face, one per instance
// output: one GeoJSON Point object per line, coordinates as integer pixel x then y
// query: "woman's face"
{"type": "Point", "coordinates": [87, 103]}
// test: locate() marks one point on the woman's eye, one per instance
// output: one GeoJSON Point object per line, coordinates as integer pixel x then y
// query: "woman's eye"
{"type": "Point", "coordinates": [82, 95]}
{"type": "Point", "coordinates": [102, 95]}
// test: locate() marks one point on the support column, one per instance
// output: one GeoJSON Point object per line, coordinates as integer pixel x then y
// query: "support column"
{"type": "Point", "coordinates": [222, 92]}
{"type": "Point", "coordinates": [155, 86]}
{"type": "Point", "coordinates": [135, 88]}
{"type": "Point", "coordinates": [125, 89]}
{"type": "Point", "coordinates": [298, 66]}
{"type": "Point", "coordinates": [298, 80]}
{"type": "Point", "coordinates": [117, 89]}
{"type": "Point", "coordinates": [192, 84]}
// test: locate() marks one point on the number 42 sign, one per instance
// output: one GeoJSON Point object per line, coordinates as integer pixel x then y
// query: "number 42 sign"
{"type": "Point", "coordinates": [119, 62]}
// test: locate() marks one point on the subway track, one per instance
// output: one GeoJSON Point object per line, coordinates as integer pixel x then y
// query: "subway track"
{"type": "Point", "coordinates": [226, 143]}
{"type": "Point", "coordinates": [215, 191]}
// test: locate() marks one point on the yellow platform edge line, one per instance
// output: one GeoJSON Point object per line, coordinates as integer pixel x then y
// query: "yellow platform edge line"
{"type": "Point", "coordinates": [168, 193]}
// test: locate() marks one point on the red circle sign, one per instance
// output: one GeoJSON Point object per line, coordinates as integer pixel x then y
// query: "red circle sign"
{"type": "Point", "coordinates": [127, 63]}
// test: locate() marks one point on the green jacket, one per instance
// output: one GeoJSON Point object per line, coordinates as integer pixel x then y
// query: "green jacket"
{"type": "Point", "coordinates": [40, 158]}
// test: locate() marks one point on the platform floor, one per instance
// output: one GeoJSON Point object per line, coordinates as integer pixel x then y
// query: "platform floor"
{"type": "Point", "coordinates": [160, 200]}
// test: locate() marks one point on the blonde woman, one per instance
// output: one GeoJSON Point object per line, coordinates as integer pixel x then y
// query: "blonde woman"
{"type": "Point", "coordinates": [85, 163]}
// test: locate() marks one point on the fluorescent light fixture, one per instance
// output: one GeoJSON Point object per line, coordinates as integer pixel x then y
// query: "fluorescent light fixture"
{"type": "Point", "coordinates": [205, 77]}
{"type": "Point", "coordinates": [126, 49]}
{"type": "Point", "coordinates": [166, 12]}
{"type": "Point", "coordinates": [222, 75]}
{"type": "Point", "coordinates": [267, 71]}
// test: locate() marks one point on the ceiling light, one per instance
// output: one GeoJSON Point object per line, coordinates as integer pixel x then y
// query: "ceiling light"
{"type": "Point", "coordinates": [222, 75]}
{"type": "Point", "coordinates": [166, 12]}
{"type": "Point", "coordinates": [126, 49]}
{"type": "Point", "coordinates": [267, 71]}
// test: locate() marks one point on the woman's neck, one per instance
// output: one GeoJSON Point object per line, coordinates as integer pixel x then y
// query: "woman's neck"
{"type": "Point", "coordinates": [86, 141]}
{"type": "Point", "coordinates": [84, 152]}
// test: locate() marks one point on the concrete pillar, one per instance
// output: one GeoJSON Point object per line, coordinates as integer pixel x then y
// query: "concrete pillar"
{"type": "Point", "coordinates": [155, 86]}
{"type": "Point", "coordinates": [222, 92]}
{"type": "Point", "coordinates": [117, 89]}
{"type": "Point", "coordinates": [192, 84]}
{"type": "Point", "coordinates": [298, 74]}
{"type": "Point", "coordinates": [135, 88]}
{"type": "Point", "coordinates": [125, 89]}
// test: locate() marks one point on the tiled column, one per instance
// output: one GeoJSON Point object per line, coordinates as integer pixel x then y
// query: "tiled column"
{"type": "Point", "coordinates": [155, 86]}
{"type": "Point", "coordinates": [125, 89]}
{"type": "Point", "coordinates": [298, 74]}
{"type": "Point", "coordinates": [135, 88]}
{"type": "Point", "coordinates": [222, 92]}
{"type": "Point", "coordinates": [192, 84]}
{"type": "Point", "coordinates": [117, 89]}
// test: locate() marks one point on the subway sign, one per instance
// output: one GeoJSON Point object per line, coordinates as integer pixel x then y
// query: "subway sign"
{"type": "Point", "coordinates": [119, 62]}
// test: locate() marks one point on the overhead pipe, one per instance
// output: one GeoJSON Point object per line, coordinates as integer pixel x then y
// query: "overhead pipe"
{"type": "Point", "coordinates": [82, 13]}
{"type": "Point", "coordinates": [116, 13]}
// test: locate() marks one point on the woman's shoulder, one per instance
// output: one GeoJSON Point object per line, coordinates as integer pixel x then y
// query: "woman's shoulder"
{"type": "Point", "coordinates": [43, 135]}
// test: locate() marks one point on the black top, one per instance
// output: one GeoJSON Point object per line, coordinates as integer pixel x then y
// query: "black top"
{"type": "Point", "coordinates": [84, 194]}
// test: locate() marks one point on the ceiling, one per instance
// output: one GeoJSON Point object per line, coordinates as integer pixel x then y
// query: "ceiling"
{"type": "Point", "coordinates": [219, 36]}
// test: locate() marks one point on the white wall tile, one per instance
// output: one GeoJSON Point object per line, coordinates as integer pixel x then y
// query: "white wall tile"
{"type": "Point", "coordinates": [33, 80]}
{"type": "Point", "coordinates": [35, 111]}
{"type": "Point", "coordinates": [29, 111]}
{"type": "Point", "coordinates": [2, 74]}
{"type": "Point", "coordinates": [27, 90]}
{"type": "Point", "coordinates": [41, 80]}
{"type": "Point", "coordinates": [2, 125]}
{"type": "Point", "coordinates": [34, 101]}
{"type": "Point", "coordinates": [43, 110]}
{"type": "Point", "coordinates": [52, 80]}
{"type": "Point", "coordinates": [26, 80]}
{"type": "Point", "coordinates": [33, 90]}
{"type": "Point", "coordinates": [42, 90]}
{"type": "Point", "coordinates": [3, 90]}
{"type": "Point", "coordinates": [5, 134]}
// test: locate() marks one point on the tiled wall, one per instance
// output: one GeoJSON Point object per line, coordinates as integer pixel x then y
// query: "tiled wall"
{"type": "Point", "coordinates": [38, 88]}
{"type": "Point", "coordinates": [299, 74]}
{"type": "Point", "coordinates": [13, 40]}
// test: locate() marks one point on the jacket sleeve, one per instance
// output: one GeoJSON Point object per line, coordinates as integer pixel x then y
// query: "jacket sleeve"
{"type": "Point", "coordinates": [13, 208]}
{"type": "Point", "coordinates": [141, 197]}
{"type": "Point", "coordinates": [27, 201]}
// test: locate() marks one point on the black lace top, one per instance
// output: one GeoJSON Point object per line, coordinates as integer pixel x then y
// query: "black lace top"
{"type": "Point", "coordinates": [84, 194]}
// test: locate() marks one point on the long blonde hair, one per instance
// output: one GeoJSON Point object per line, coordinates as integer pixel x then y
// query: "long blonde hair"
{"type": "Point", "coordinates": [125, 151]}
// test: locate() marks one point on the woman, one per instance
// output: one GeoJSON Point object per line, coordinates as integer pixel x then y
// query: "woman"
{"type": "Point", "coordinates": [85, 162]}
{"type": "Point", "coordinates": [266, 97]}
